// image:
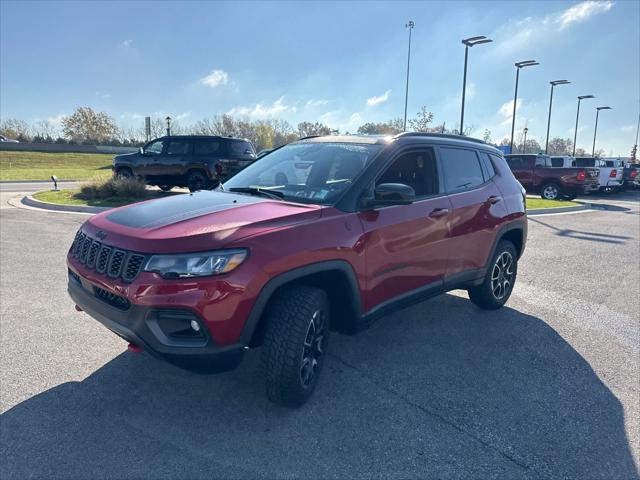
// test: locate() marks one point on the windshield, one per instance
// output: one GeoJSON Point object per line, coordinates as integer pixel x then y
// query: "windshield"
{"type": "Point", "coordinates": [306, 172]}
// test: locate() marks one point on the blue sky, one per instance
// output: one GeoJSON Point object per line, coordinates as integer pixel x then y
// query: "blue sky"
{"type": "Point", "coordinates": [342, 63]}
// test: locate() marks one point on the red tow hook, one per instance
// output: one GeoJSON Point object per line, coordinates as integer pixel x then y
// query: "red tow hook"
{"type": "Point", "coordinates": [78, 309]}
{"type": "Point", "coordinates": [134, 348]}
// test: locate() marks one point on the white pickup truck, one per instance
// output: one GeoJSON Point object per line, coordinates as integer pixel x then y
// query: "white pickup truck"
{"type": "Point", "coordinates": [611, 170]}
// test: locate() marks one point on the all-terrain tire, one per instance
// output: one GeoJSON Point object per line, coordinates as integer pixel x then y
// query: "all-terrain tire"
{"type": "Point", "coordinates": [297, 328]}
{"type": "Point", "coordinates": [197, 181]}
{"type": "Point", "coordinates": [494, 292]}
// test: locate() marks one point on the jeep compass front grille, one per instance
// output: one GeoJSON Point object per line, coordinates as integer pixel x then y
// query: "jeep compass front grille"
{"type": "Point", "coordinates": [114, 262]}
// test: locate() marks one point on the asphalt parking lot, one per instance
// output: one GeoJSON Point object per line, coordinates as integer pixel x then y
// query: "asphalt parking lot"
{"type": "Point", "coordinates": [547, 387]}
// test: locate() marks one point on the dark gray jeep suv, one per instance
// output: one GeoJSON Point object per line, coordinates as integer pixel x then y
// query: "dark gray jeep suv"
{"type": "Point", "coordinates": [194, 161]}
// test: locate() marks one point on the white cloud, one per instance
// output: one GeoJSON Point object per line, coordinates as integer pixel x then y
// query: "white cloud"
{"type": "Point", "coordinates": [355, 119]}
{"type": "Point", "coordinates": [518, 34]}
{"type": "Point", "coordinates": [131, 116]}
{"type": "Point", "coordinates": [127, 43]}
{"type": "Point", "coordinates": [215, 79]}
{"type": "Point", "coordinates": [506, 111]}
{"type": "Point", "coordinates": [56, 120]}
{"type": "Point", "coordinates": [317, 103]}
{"type": "Point", "coordinates": [376, 100]}
{"type": "Point", "coordinates": [583, 11]}
{"type": "Point", "coordinates": [262, 111]}
{"type": "Point", "coordinates": [628, 128]}
{"type": "Point", "coordinates": [182, 116]}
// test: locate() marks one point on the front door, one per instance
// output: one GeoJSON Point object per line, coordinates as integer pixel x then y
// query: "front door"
{"type": "Point", "coordinates": [406, 245]}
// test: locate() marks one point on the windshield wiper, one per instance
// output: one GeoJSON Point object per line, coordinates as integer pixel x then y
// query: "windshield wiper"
{"type": "Point", "coordinates": [260, 191]}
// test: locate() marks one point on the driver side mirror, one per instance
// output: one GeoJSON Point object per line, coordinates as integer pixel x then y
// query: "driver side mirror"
{"type": "Point", "coordinates": [387, 194]}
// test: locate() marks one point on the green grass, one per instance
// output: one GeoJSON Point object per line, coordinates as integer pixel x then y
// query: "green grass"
{"type": "Point", "coordinates": [66, 166]}
{"type": "Point", "coordinates": [542, 203]}
{"type": "Point", "coordinates": [70, 197]}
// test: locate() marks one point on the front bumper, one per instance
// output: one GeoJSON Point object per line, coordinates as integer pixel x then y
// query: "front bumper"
{"type": "Point", "coordinates": [148, 328]}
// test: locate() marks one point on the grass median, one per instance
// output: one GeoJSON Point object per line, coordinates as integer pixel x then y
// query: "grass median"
{"type": "Point", "coordinates": [73, 197]}
{"type": "Point", "coordinates": [66, 166]}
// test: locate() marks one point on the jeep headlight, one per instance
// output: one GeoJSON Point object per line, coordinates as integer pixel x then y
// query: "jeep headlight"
{"type": "Point", "coordinates": [184, 265]}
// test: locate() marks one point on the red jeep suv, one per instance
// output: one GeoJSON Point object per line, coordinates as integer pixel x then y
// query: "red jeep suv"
{"type": "Point", "coordinates": [324, 234]}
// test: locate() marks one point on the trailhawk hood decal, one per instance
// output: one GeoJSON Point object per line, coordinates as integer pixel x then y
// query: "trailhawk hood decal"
{"type": "Point", "coordinates": [195, 222]}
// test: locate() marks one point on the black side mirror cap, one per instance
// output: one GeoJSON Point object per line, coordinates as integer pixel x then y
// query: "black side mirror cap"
{"type": "Point", "coordinates": [387, 194]}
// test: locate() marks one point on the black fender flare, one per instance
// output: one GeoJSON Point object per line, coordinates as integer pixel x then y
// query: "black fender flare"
{"type": "Point", "coordinates": [518, 224]}
{"type": "Point", "coordinates": [275, 283]}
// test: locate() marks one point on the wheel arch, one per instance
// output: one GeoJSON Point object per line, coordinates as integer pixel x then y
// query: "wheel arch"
{"type": "Point", "coordinates": [336, 277]}
{"type": "Point", "coordinates": [514, 232]}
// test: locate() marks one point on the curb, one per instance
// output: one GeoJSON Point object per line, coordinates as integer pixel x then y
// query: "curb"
{"type": "Point", "coordinates": [29, 201]}
{"type": "Point", "coordinates": [550, 211]}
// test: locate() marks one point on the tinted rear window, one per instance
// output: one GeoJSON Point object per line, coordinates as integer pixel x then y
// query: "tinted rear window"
{"type": "Point", "coordinates": [487, 166]}
{"type": "Point", "coordinates": [461, 169]}
{"type": "Point", "coordinates": [516, 163]}
{"type": "Point", "coordinates": [178, 147]}
{"type": "Point", "coordinates": [557, 162]}
{"type": "Point", "coordinates": [210, 147]}
{"type": "Point", "coordinates": [240, 148]}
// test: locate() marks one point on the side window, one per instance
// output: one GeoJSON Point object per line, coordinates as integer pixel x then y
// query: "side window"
{"type": "Point", "coordinates": [488, 169]}
{"type": "Point", "coordinates": [461, 169]}
{"type": "Point", "coordinates": [557, 162]}
{"type": "Point", "coordinates": [515, 163]}
{"type": "Point", "coordinates": [178, 147]}
{"type": "Point", "coordinates": [206, 148]}
{"type": "Point", "coordinates": [154, 148]}
{"type": "Point", "coordinates": [239, 148]}
{"type": "Point", "coordinates": [416, 169]}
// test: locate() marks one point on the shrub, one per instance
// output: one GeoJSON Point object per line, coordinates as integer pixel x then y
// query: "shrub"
{"type": "Point", "coordinates": [98, 188]}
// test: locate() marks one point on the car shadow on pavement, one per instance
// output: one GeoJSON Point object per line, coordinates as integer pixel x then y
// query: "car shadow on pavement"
{"type": "Point", "coordinates": [441, 389]}
{"type": "Point", "coordinates": [582, 235]}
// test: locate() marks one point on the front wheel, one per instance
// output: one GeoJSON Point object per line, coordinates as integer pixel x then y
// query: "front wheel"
{"type": "Point", "coordinates": [499, 280]}
{"type": "Point", "coordinates": [550, 191]}
{"type": "Point", "coordinates": [196, 181]}
{"type": "Point", "coordinates": [295, 340]}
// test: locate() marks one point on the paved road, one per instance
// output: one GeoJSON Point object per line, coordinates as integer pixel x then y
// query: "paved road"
{"type": "Point", "coordinates": [547, 387]}
{"type": "Point", "coordinates": [34, 186]}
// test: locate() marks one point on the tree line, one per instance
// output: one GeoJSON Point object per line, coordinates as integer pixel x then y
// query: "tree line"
{"type": "Point", "coordinates": [86, 126]}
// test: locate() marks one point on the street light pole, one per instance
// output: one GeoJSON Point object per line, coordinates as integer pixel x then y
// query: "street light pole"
{"type": "Point", "coordinates": [575, 133]}
{"type": "Point", "coordinates": [410, 24]}
{"type": "Point", "coordinates": [553, 84]}
{"type": "Point", "coordinates": [168, 120]}
{"type": "Point", "coordinates": [524, 145]}
{"type": "Point", "coordinates": [595, 130]}
{"type": "Point", "coordinates": [519, 65]}
{"type": "Point", "coordinates": [468, 42]}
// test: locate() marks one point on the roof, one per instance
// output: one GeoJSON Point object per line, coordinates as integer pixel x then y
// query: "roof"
{"type": "Point", "coordinates": [386, 139]}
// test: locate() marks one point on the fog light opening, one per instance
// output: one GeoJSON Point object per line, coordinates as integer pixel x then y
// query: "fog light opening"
{"type": "Point", "coordinates": [195, 326]}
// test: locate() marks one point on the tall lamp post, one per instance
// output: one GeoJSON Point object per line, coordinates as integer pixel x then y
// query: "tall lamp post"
{"type": "Point", "coordinates": [468, 42]}
{"type": "Point", "coordinates": [410, 24]}
{"type": "Point", "coordinates": [168, 120]}
{"type": "Point", "coordinates": [553, 84]}
{"type": "Point", "coordinates": [595, 131]}
{"type": "Point", "coordinates": [519, 65]}
{"type": "Point", "coordinates": [575, 133]}
{"type": "Point", "coordinates": [524, 145]}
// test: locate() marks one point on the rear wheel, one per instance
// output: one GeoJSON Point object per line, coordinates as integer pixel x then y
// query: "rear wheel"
{"type": "Point", "coordinates": [124, 173]}
{"type": "Point", "coordinates": [550, 191]}
{"type": "Point", "coordinates": [499, 280]}
{"type": "Point", "coordinates": [295, 340]}
{"type": "Point", "coordinates": [196, 181]}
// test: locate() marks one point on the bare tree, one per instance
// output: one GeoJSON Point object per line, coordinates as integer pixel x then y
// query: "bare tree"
{"type": "Point", "coordinates": [422, 120]}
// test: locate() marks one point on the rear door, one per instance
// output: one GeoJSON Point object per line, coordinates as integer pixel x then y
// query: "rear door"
{"type": "Point", "coordinates": [240, 153]}
{"type": "Point", "coordinates": [406, 246]}
{"type": "Point", "coordinates": [478, 208]}
{"type": "Point", "coordinates": [172, 163]}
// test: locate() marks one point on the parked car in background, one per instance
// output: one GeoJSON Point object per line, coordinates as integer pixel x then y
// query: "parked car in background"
{"type": "Point", "coordinates": [4, 139]}
{"type": "Point", "coordinates": [630, 177]}
{"type": "Point", "coordinates": [610, 177]}
{"type": "Point", "coordinates": [195, 161]}
{"type": "Point", "coordinates": [537, 175]}
{"type": "Point", "coordinates": [367, 225]}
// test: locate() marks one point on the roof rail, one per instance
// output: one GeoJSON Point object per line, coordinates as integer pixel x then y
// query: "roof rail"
{"type": "Point", "coordinates": [439, 135]}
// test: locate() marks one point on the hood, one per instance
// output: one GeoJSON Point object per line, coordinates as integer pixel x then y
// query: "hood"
{"type": "Point", "coordinates": [124, 156]}
{"type": "Point", "coordinates": [194, 222]}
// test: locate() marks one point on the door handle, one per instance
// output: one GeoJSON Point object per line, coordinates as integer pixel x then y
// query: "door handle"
{"type": "Point", "coordinates": [439, 212]}
{"type": "Point", "coordinates": [493, 199]}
